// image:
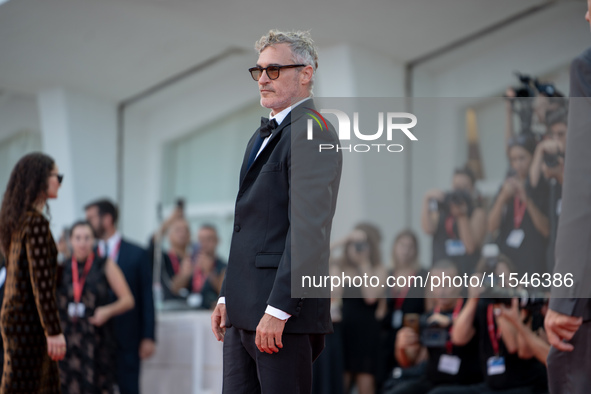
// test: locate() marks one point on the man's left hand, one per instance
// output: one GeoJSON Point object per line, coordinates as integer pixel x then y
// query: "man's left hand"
{"type": "Point", "coordinates": [560, 328]}
{"type": "Point", "coordinates": [268, 334]}
{"type": "Point", "coordinates": [147, 348]}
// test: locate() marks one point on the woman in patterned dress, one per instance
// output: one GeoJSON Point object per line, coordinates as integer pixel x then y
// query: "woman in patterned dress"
{"type": "Point", "coordinates": [86, 307]}
{"type": "Point", "coordinates": [33, 339]}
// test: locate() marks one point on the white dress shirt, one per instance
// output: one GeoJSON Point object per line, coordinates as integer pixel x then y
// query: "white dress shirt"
{"type": "Point", "coordinates": [114, 243]}
{"type": "Point", "coordinates": [278, 313]}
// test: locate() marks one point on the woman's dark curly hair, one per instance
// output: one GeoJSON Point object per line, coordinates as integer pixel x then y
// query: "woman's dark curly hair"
{"type": "Point", "coordinates": [28, 181]}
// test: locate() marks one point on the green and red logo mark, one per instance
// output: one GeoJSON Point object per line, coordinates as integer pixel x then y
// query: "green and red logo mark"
{"type": "Point", "coordinates": [315, 116]}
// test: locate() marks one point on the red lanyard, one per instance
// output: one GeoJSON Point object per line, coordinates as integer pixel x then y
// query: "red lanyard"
{"type": "Point", "coordinates": [198, 280]}
{"type": "Point", "coordinates": [494, 339]}
{"type": "Point", "coordinates": [398, 301]}
{"type": "Point", "coordinates": [518, 211]}
{"type": "Point", "coordinates": [456, 312]}
{"type": "Point", "coordinates": [175, 262]}
{"type": "Point", "coordinates": [449, 226]}
{"type": "Point", "coordinates": [77, 281]}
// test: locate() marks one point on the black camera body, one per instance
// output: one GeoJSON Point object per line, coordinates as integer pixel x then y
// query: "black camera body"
{"type": "Point", "coordinates": [432, 335]}
{"type": "Point", "coordinates": [551, 159]}
{"type": "Point", "coordinates": [531, 301]}
{"type": "Point", "coordinates": [456, 197]}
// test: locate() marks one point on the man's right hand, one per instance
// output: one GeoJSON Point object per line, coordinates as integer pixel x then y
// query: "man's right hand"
{"type": "Point", "coordinates": [218, 322]}
{"type": "Point", "coordinates": [561, 327]}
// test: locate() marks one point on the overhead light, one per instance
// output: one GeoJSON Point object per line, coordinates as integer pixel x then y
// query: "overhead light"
{"type": "Point", "coordinates": [4, 1]}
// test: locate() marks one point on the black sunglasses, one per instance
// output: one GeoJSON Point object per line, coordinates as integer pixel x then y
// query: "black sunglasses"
{"type": "Point", "coordinates": [272, 71]}
{"type": "Point", "coordinates": [60, 177]}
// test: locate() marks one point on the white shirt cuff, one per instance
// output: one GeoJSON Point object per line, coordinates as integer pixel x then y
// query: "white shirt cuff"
{"type": "Point", "coordinates": [222, 300]}
{"type": "Point", "coordinates": [278, 313]}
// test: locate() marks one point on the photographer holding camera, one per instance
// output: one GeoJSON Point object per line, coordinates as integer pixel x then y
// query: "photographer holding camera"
{"type": "Point", "coordinates": [547, 171]}
{"type": "Point", "coordinates": [518, 215]}
{"type": "Point", "coordinates": [533, 343]}
{"type": "Point", "coordinates": [456, 221]}
{"type": "Point", "coordinates": [446, 364]}
{"type": "Point", "coordinates": [501, 348]}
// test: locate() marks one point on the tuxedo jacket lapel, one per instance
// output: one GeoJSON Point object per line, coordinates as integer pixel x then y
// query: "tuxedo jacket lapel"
{"type": "Point", "coordinates": [255, 167]}
{"type": "Point", "coordinates": [251, 173]}
{"type": "Point", "coordinates": [249, 146]}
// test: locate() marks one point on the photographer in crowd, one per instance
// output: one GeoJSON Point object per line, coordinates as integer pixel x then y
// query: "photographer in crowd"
{"type": "Point", "coordinates": [456, 221]}
{"type": "Point", "coordinates": [518, 215]}
{"type": "Point", "coordinates": [504, 355]}
{"type": "Point", "coordinates": [398, 302]}
{"type": "Point", "coordinates": [533, 343]}
{"type": "Point", "coordinates": [547, 170]}
{"type": "Point", "coordinates": [179, 250]}
{"type": "Point", "coordinates": [446, 363]}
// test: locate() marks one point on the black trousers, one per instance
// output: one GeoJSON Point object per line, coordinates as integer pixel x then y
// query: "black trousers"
{"type": "Point", "coordinates": [568, 372]}
{"type": "Point", "coordinates": [250, 371]}
{"type": "Point", "coordinates": [128, 371]}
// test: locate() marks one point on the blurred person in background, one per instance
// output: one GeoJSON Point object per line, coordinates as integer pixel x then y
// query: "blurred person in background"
{"type": "Point", "coordinates": [506, 361]}
{"type": "Point", "coordinates": [456, 220]}
{"type": "Point", "coordinates": [547, 171]}
{"type": "Point", "coordinates": [399, 300]}
{"type": "Point", "coordinates": [86, 310]}
{"type": "Point", "coordinates": [329, 367]}
{"type": "Point", "coordinates": [31, 331]}
{"type": "Point", "coordinates": [135, 329]}
{"type": "Point", "coordinates": [64, 251]}
{"type": "Point", "coordinates": [179, 250]}
{"type": "Point", "coordinates": [534, 342]}
{"type": "Point", "coordinates": [568, 321]}
{"type": "Point", "coordinates": [202, 274]}
{"type": "Point", "coordinates": [518, 215]}
{"type": "Point", "coordinates": [446, 364]}
{"type": "Point", "coordinates": [361, 329]}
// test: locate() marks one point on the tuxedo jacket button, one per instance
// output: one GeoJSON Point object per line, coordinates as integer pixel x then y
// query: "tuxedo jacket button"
{"type": "Point", "coordinates": [237, 228]}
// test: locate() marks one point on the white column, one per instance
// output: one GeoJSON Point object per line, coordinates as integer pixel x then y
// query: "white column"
{"type": "Point", "coordinates": [372, 184]}
{"type": "Point", "coordinates": [80, 133]}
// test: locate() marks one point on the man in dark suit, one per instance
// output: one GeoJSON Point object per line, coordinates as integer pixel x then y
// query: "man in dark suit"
{"type": "Point", "coordinates": [284, 211]}
{"type": "Point", "coordinates": [134, 330]}
{"type": "Point", "coordinates": [568, 321]}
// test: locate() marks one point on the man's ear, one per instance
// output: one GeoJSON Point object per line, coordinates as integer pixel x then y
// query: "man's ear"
{"type": "Point", "coordinates": [306, 75]}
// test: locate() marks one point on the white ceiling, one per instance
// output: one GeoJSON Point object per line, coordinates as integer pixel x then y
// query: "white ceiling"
{"type": "Point", "coordinates": [117, 48]}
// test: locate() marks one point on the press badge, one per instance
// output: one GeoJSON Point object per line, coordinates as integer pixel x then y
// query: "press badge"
{"type": "Point", "coordinates": [449, 364]}
{"type": "Point", "coordinates": [194, 300]}
{"type": "Point", "coordinates": [76, 309]}
{"type": "Point", "coordinates": [397, 319]}
{"type": "Point", "coordinates": [515, 238]}
{"type": "Point", "coordinates": [495, 365]}
{"type": "Point", "coordinates": [455, 247]}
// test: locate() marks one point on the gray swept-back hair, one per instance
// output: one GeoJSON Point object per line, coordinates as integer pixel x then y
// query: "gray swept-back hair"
{"type": "Point", "coordinates": [302, 47]}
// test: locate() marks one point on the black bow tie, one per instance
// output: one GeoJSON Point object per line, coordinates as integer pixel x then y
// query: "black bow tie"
{"type": "Point", "coordinates": [267, 126]}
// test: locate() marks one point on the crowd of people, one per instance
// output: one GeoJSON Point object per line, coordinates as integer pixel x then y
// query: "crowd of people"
{"type": "Point", "coordinates": [396, 340]}
{"type": "Point", "coordinates": [87, 300]}
{"type": "Point", "coordinates": [403, 340]}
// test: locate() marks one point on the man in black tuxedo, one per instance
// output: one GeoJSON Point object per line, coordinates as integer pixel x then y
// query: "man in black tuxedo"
{"type": "Point", "coordinates": [568, 321]}
{"type": "Point", "coordinates": [134, 330]}
{"type": "Point", "coordinates": [271, 338]}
